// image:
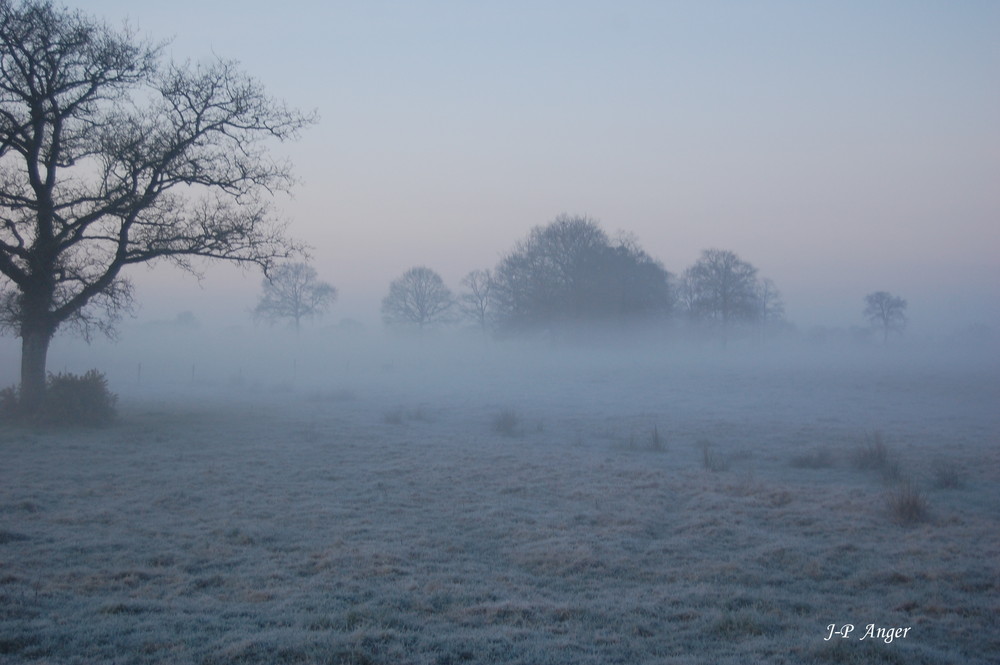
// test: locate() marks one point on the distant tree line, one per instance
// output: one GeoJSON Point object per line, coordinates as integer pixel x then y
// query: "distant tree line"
{"type": "Point", "coordinates": [111, 157]}
{"type": "Point", "coordinates": [569, 274]}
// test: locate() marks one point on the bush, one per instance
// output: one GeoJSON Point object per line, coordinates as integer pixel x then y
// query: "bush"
{"type": "Point", "coordinates": [70, 399]}
{"type": "Point", "coordinates": [9, 403]}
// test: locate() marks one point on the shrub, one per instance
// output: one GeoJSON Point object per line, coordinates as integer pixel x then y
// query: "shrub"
{"type": "Point", "coordinates": [9, 403]}
{"type": "Point", "coordinates": [70, 399]}
{"type": "Point", "coordinates": [892, 472]}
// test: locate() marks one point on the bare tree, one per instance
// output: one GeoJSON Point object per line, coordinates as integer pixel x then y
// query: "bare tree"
{"type": "Point", "coordinates": [108, 158]}
{"type": "Point", "coordinates": [886, 311]}
{"type": "Point", "coordinates": [292, 291]}
{"type": "Point", "coordinates": [477, 300]}
{"type": "Point", "coordinates": [770, 306]}
{"type": "Point", "coordinates": [722, 288]}
{"type": "Point", "coordinates": [419, 298]}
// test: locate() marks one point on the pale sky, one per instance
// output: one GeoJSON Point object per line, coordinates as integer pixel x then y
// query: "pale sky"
{"type": "Point", "coordinates": [841, 147]}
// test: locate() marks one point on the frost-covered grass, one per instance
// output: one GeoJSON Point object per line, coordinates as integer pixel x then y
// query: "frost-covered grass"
{"type": "Point", "coordinates": [285, 527]}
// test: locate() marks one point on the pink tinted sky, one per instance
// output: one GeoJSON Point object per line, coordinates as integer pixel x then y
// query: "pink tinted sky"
{"type": "Point", "coordinates": [841, 147]}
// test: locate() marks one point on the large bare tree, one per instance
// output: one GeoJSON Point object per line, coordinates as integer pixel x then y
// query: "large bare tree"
{"type": "Point", "coordinates": [886, 311]}
{"type": "Point", "coordinates": [476, 302]}
{"type": "Point", "coordinates": [293, 291]}
{"type": "Point", "coordinates": [110, 157]}
{"type": "Point", "coordinates": [418, 298]}
{"type": "Point", "coordinates": [722, 288]}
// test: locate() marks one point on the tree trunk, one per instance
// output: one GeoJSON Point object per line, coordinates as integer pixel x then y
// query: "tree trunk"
{"type": "Point", "coordinates": [36, 330]}
{"type": "Point", "coordinates": [34, 351]}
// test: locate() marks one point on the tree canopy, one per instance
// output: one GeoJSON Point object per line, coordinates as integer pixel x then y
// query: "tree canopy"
{"type": "Point", "coordinates": [294, 292]}
{"type": "Point", "coordinates": [418, 298]}
{"type": "Point", "coordinates": [886, 312]}
{"type": "Point", "coordinates": [111, 157]}
{"type": "Point", "coordinates": [722, 290]}
{"type": "Point", "coordinates": [569, 272]}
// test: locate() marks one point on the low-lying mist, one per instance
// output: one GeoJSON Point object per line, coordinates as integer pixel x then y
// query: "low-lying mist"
{"type": "Point", "coordinates": [345, 495]}
{"type": "Point", "coordinates": [240, 359]}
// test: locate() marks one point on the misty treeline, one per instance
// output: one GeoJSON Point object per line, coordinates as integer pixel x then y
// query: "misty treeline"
{"type": "Point", "coordinates": [570, 275]}
{"type": "Point", "coordinates": [112, 156]}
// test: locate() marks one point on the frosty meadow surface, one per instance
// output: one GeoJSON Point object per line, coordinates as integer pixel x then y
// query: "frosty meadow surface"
{"type": "Point", "coordinates": [435, 502]}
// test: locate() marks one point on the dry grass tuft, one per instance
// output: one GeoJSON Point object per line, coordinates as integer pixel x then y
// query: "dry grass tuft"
{"type": "Point", "coordinates": [948, 476]}
{"type": "Point", "coordinates": [908, 505]}
{"type": "Point", "coordinates": [654, 442]}
{"type": "Point", "coordinates": [507, 423]}
{"type": "Point", "coordinates": [873, 455]}
{"type": "Point", "coordinates": [710, 459]}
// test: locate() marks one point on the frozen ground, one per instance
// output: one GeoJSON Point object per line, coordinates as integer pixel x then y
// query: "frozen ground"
{"type": "Point", "coordinates": [373, 509]}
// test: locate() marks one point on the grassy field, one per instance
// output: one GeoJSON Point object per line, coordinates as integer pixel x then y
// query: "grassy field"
{"type": "Point", "coordinates": [549, 511]}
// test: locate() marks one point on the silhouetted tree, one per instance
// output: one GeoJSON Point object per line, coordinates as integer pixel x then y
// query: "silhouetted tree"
{"type": "Point", "coordinates": [293, 292]}
{"type": "Point", "coordinates": [569, 272]}
{"type": "Point", "coordinates": [109, 158]}
{"type": "Point", "coordinates": [722, 288]}
{"type": "Point", "coordinates": [419, 298]}
{"type": "Point", "coordinates": [886, 311]}
{"type": "Point", "coordinates": [770, 306]}
{"type": "Point", "coordinates": [476, 302]}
